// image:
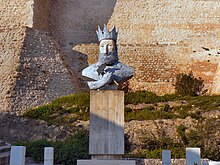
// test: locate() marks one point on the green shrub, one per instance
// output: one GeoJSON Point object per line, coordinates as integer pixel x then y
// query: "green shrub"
{"type": "Point", "coordinates": [202, 136]}
{"type": "Point", "coordinates": [65, 152]}
{"type": "Point", "coordinates": [187, 84]}
{"type": "Point", "coordinates": [140, 97]}
{"type": "Point", "coordinates": [75, 148]}
{"type": "Point", "coordinates": [151, 146]}
{"type": "Point", "coordinates": [166, 108]}
{"type": "Point", "coordinates": [178, 152]}
{"type": "Point", "coordinates": [181, 131]}
{"type": "Point", "coordinates": [36, 149]}
{"type": "Point", "coordinates": [151, 154]}
{"type": "Point", "coordinates": [147, 97]}
{"type": "Point", "coordinates": [66, 109]}
{"type": "Point", "coordinates": [182, 111]}
{"type": "Point", "coordinates": [169, 97]}
{"type": "Point", "coordinates": [149, 113]}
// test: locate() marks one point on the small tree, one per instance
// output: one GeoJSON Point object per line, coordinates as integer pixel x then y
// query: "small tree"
{"type": "Point", "coordinates": [187, 84]}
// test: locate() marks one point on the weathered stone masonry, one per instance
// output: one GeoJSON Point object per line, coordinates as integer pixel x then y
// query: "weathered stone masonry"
{"type": "Point", "coordinates": [46, 43]}
{"type": "Point", "coordinates": [32, 72]}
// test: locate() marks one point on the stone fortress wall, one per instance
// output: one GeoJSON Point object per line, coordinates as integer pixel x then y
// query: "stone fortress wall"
{"type": "Point", "coordinates": [46, 43]}
{"type": "Point", "coordinates": [31, 69]}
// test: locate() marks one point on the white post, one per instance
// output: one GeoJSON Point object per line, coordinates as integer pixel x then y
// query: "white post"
{"type": "Point", "coordinates": [48, 155]}
{"type": "Point", "coordinates": [166, 157]}
{"type": "Point", "coordinates": [193, 156]}
{"type": "Point", "coordinates": [205, 162]}
{"type": "Point", "coordinates": [17, 155]}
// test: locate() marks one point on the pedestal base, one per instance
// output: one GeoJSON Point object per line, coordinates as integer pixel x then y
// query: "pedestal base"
{"type": "Point", "coordinates": [106, 134]}
{"type": "Point", "coordinates": [105, 162]}
{"type": "Point", "coordinates": [106, 157]}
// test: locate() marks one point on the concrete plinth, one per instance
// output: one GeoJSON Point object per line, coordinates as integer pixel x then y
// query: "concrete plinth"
{"type": "Point", "coordinates": [106, 122]}
{"type": "Point", "coordinates": [105, 162]}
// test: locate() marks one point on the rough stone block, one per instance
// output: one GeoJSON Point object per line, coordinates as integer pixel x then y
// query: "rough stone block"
{"type": "Point", "coordinates": [17, 155]}
{"type": "Point", "coordinates": [193, 156]}
{"type": "Point", "coordinates": [106, 122]}
{"type": "Point", "coordinates": [105, 162]}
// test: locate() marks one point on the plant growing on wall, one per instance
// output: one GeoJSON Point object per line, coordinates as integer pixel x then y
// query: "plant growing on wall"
{"type": "Point", "coordinates": [187, 84]}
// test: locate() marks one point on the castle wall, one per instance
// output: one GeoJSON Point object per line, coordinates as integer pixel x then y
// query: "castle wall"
{"type": "Point", "coordinates": [179, 31]}
{"type": "Point", "coordinates": [163, 38]}
{"type": "Point", "coordinates": [159, 38]}
{"type": "Point", "coordinates": [31, 69]}
{"type": "Point", "coordinates": [42, 75]}
{"type": "Point", "coordinates": [14, 15]}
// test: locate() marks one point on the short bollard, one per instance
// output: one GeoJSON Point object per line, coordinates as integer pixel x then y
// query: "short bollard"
{"type": "Point", "coordinates": [17, 155]}
{"type": "Point", "coordinates": [48, 155]}
{"type": "Point", "coordinates": [193, 156]}
{"type": "Point", "coordinates": [166, 157]}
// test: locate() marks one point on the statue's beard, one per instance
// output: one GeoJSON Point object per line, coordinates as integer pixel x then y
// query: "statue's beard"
{"type": "Point", "coordinates": [109, 58]}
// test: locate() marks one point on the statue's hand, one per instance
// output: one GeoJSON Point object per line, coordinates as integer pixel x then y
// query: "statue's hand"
{"type": "Point", "coordinates": [105, 80]}
{"type": "Point", "coordinates": [101, 69]}
{"type": "Point", "coordinates": [107, 77]}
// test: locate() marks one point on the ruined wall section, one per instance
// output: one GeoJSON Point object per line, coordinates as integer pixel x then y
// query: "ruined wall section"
{"type": "Point", "coordinates": [42, 76]}
{"type": "Point", "coordinates": [176, 30]}
{"type": "Point", "coordinates": [41, 73]}
{"type": "Point", "coordinates": [31, 69]}
{"type": "Point", "coordinates": [14, 15]}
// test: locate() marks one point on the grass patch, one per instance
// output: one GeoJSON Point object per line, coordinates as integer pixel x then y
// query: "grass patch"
{"type": "Point", "coordinates": [148, 97]}
{"type": "Point", "coordinates": [68, 109]}
{"type": "Point", "coordinates": [65, 109]}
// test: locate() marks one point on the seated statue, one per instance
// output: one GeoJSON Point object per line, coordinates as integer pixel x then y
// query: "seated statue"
{"type": "Point", "coordinates": [108, 72]}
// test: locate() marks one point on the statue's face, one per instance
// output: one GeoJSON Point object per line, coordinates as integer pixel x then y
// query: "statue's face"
{"type": "Point", "coordinates": [108, 52]}
{"type": "Point", "coordinates": [106, 46]}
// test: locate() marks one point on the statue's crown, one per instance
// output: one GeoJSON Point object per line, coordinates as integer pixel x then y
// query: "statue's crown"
{"type": "Point", "coordinates": [105, 34]}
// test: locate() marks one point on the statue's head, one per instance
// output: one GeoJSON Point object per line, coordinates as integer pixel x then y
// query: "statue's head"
{"type": "Point", "coordinates": [107, 45]}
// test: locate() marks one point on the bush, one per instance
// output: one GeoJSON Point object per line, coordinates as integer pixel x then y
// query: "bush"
{"type": "Point", "coordinates": [202, 136]}
{"type": "Point", "coordinates": [181, 131]}
{"type": "Point", "coordinates": [147, 97]}
{"type": "Point", "coordinates": [140, 97]}
{"type": "Point", "coordinates": [66, 109]}
{"type": "Point", "coordinates": [150, 146]}
{"type": "Point", "coordinates": [154, 154]}
{"type": "Point", "coordinates": [75, 148]}
{"type": "Point", "coordinates": [65, 153]}
{"type": "Point", "coordinates": [187, 84]}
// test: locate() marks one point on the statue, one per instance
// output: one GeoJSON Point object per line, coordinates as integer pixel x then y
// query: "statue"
{"type": "Point", "coordinates": [108, 72]}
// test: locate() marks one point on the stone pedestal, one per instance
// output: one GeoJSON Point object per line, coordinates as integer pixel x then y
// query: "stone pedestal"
{"type": "Point", "coordinates": [106, 136]}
